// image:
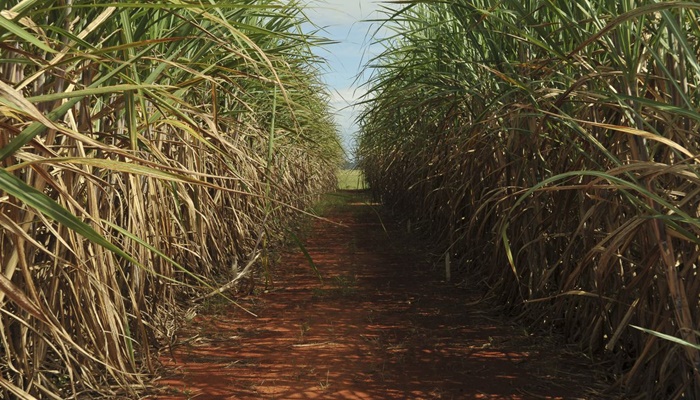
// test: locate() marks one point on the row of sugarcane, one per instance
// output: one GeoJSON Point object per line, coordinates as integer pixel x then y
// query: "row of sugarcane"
{"type": "Point", "coordinates": [148, 150]}
{"type": "Point", "coordinates": [550, 149]}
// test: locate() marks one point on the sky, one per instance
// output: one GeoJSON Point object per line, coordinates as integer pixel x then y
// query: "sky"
{"type": "Point", "coordinates": [343, 21]}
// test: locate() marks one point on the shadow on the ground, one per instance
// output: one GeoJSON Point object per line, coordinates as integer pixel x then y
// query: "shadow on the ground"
{"type": "Point", "coordinates": [381, 326]}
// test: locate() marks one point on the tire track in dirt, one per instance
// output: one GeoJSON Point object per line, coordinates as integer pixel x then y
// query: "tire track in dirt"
{"type": "Point", "coordinates": [381, 326]}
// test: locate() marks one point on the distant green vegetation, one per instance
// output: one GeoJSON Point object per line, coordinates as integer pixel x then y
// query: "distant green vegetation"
{"type": "Point", "coordinates": [351, 179]}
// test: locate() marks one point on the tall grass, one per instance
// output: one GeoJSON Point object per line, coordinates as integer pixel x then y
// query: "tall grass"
{"type": "Point", "coordinates": [551, 148]}
{"type": "Point", "coordinates": [147, 149]}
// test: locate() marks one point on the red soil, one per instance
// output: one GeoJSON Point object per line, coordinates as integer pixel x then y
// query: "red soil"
{"type": "Point", "coordinates": [382, 326]}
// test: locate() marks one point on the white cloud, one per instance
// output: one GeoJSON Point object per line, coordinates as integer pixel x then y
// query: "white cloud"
{"type": "Point", "coordinates": [344, 21]}
{"type": "Point", "coordinates": [342, 102]}
{"type": "Point", "coordinates": [345, 96]}
{"type": "Point", "coordinates": [340, 12]}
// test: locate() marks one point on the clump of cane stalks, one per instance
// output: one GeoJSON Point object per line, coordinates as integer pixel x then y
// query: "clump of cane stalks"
{"type": "Point", "coordinates": [146, 148]}
{"type": "Point", "coordinates": [550, 148]}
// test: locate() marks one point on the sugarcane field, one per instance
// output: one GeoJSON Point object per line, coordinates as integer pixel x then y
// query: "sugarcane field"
{"type": "Point", "coordinates": [349, 199]}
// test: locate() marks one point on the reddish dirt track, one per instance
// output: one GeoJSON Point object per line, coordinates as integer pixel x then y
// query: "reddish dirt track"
{"type": "Point", "coordinates": [381, 326]}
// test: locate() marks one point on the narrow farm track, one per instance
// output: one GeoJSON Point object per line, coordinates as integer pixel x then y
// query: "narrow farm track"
{"type": "Point", "coordinates": [381, 326]}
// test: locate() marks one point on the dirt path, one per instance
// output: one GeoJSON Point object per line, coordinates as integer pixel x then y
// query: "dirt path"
{"type": "Point", "coordinates": [381, 326]}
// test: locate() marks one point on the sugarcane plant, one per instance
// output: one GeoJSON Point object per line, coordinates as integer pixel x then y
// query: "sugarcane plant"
{"type": "Point", "coordinates": [148, 150]}
{"type": "Point", "coordinates": [550, 148]}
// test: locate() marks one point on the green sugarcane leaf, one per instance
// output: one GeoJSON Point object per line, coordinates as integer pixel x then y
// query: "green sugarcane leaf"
{"type": "Point", "coordinates": [24, 35]}
{"type": "Point", "coordinates": [667, 337]}
{"type": "Point", "coordinates": [50, 208]}
{"type": "Point", "coordinates": [93, 92]}
{"type": "Point", "coordinates": [306, 255]}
